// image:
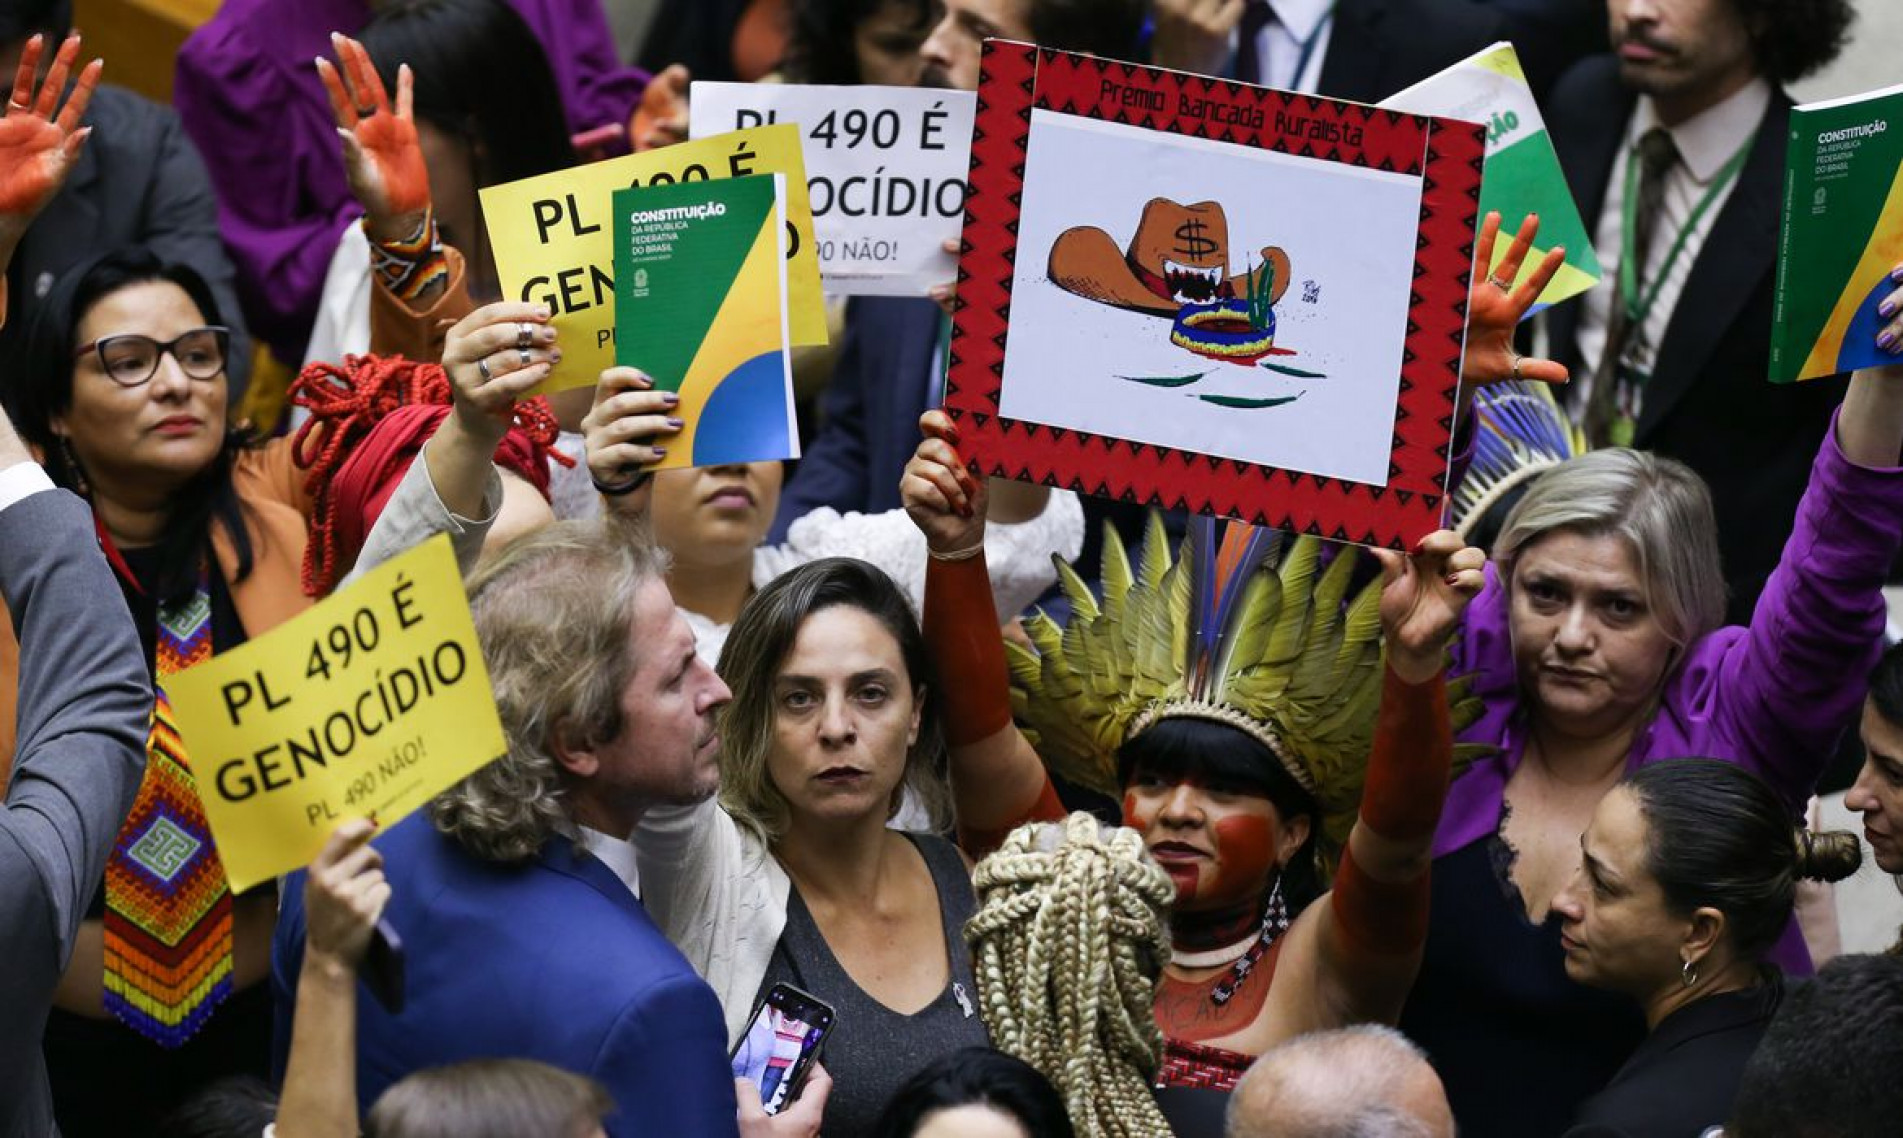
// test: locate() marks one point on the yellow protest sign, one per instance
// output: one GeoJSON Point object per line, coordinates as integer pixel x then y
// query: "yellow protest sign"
{"type": "Point", "coordinates": [369, 704]}
{"type": "Point", "coordinates": [552, 243]}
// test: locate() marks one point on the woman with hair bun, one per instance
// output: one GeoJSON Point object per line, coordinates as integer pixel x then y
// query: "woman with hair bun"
{"type": "Point", "coordinates": [1686, 880]}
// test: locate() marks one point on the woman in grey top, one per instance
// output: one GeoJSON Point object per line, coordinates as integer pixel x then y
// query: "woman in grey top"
{"type": "Point", "coordinates": [792, 875]}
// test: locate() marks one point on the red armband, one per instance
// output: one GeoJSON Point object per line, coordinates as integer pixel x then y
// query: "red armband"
{"type": "Point", "coordinates": [961, 628]}
{"type": "Point", "coordinates": [1048, 808]}
{"type": "Point", "coordinates": [1412, 760]}
{"type": "Point", "coordinates": [1378, 917]}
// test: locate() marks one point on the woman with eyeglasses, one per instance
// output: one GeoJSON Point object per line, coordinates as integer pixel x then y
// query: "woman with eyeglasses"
{"type": "Point", "coordinates": [120, 385]}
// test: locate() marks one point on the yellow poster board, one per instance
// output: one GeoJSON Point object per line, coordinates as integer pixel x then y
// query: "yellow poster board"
{"type": "Point", "coordinates": [368, 704]}
{"type": "Point", "coordinates": [552, 244]}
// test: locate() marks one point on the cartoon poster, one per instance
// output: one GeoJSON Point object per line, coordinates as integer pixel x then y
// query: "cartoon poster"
{"type": "Point", "coordinates": [700, 305]}
{"type": "Point", "coordinates": [1209, 296]}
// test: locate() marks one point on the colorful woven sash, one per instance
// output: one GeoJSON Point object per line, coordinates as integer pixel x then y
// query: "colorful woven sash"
{"type": "Point", "coordinates": [168, 907]}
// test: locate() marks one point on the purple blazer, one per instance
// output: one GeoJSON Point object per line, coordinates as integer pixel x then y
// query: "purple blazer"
{"type": "Point", "coordinates": [248, 95]}
{"type": "Point", "coordinates": [1773, 697]}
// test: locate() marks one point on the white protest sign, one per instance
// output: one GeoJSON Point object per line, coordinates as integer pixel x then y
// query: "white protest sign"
{"type": "Point", "coordinates": [885, 169]}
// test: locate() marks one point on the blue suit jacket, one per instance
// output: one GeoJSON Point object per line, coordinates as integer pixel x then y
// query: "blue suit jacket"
{"type": "Point", "coordinates": [554, 960]}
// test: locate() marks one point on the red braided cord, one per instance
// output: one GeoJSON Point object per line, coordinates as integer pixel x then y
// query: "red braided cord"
{"type": "Point", "coordinates": [345, 404]}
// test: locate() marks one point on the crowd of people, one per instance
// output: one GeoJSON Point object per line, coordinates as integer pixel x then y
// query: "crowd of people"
{"type": "Point", "coordinates": [1078, 818]}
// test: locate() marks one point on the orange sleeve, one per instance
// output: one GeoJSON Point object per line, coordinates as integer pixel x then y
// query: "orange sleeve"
{"type": "Point", "coordinates": [396, 329]}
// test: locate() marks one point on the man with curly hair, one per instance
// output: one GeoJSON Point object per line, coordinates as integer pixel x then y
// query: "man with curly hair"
{"type": "Point", "coordinates": [1674, 146]}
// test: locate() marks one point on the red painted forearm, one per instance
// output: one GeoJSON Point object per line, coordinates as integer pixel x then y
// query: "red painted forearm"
{"type": "Point", "coordinates": [961, 628]}
{"type": "Point", "coordinates": [1378, 917]}
{"type": "Point", "coordinates": [1412, 760]}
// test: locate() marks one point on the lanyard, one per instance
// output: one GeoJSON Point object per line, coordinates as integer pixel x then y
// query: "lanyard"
{"type": "Point", "coordinates": [1637, 307]}
{"type": "Point", "coordinates": [1308, 45]}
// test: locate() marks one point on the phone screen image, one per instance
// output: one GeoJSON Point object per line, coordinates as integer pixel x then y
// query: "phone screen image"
{"type": "Point", "coordinates": [780, 1044]}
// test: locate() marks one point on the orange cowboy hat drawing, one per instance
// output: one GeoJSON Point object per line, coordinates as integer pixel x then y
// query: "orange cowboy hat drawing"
{"type": "Point", "coordinates": [1179, 255]}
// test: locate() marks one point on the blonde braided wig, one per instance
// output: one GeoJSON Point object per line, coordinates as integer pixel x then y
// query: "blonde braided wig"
{"type": "Point", "coordinates": [1066, 945]}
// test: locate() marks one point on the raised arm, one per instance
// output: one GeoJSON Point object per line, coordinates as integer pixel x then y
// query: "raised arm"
{"type": "Point", "coordinates": [344, 893]}
{"type": "Point", "coordinates": [1361, 944]}
{"type": "Point", "coordinates": [1796, 679]}
{"type": "Point", "coordinates": [997, 780]}
{"type": "Point", "coordinates": [419, 282]}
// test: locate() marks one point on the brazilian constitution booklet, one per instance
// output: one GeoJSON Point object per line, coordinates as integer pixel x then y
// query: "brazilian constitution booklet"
{"type": "Point", "coordinates": [1842, 234]}
{"type": "Point", "coordinates": [700, 306]}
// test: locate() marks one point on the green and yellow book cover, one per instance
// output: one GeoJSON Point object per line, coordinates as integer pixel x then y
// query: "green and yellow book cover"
{"type": "Point", "coordinates": [1523, 174]}
{"type": "Point", "coordinates": [700, 306]}
{"type": "Point", "coordinates": [1842, 234]}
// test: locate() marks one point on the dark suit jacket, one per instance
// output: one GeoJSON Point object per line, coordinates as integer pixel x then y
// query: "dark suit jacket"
{"type": "Point", "coordinates": [1684, 1077]}
{"type": "Point", "coordinates": [139, 181]}
{"type": "Point", "coordinates": [554, 960]}
{"type": "Point", "coordinates": [1709, 404]}
{"type": "Point", "coordinates": [869, 412]}
{"type": "Point", "coordinates": [1378, 47]}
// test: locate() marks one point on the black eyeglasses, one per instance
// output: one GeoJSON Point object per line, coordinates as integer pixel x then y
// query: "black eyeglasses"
{"type": "Point", "coordinates": [129, 360]}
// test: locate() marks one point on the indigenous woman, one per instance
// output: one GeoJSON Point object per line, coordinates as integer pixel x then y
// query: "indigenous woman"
{"type": "Point", "coordinates": [122, 389]}
{"type": "Point", "coordinates": [1686, 878]}
{"type": "Point", "coordinates": [1232, 708]}
{"type": "Point", "coordinates": [1240, 755]}
{"type": "Point", "coordinates": [1596, 648]}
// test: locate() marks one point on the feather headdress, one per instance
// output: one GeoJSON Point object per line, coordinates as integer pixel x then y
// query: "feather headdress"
{"type": "Point", "coordinates": [1274, 648]}
{"type": "Point", "coordinates": [1519, 430]}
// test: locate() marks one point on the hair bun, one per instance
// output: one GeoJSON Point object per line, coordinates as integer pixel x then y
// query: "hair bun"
{"type": "Point", "coordinates": [1829, 856]}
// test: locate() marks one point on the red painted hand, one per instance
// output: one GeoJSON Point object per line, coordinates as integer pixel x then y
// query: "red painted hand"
{"type": "Point", "coordinates": [382, 157]}
{"type": "Point", "coordinates": [661, 117]}
{"type": "Point", "coordinates": [39, 139]}
{"type": "Point", "coordinates": [1494, 311]}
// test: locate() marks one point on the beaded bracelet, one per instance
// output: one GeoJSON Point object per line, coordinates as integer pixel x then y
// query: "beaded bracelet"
{"type": "Point", "coordinates": [411, 266]}
{"type": "Point", "coordinates": [965, 554]}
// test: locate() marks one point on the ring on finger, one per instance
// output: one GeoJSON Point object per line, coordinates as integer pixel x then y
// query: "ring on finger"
{"type": "Point", "coordinates": [15, 105]}
{"type": "Point", "coordinates": [524, 336]}
{"type": "Point", "coordinates": [365, 112]}
{"type": "Point", "coordinates": [1503, 286]}
{"type": "Point", "coordinates": [482, 365]}
{"type": "Point", "coordinates": [1516, 357]}
{"type": "Point", "coordinates": [524, 353]}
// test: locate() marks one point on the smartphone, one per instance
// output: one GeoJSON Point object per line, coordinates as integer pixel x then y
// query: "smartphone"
{"type": "Point", "coordinates": [781, 1043]}
{"type": "Point", "coordinates": [382, 969]}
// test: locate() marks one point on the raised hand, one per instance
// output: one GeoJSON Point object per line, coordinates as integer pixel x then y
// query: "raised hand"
{"type": "Point", "coordinates": [1890, 336]}
{"type": "Point", "coordinates": [627, 429]}
{"type": "Point", "coordinates": [1422, 597]}
{"type": "Point", "coordinates": [494, 356]}
{"type": "Point", "coordinates": [382, 158]}
{"type": "Point", "coordinates": [1495, 307]}
{"type": "Point", "coordinates": [661, 117]}
{"type": "Point", "coordinates": [942, 498]}
{"type": "Point", "coordinates": [344, 894]}
{"type": "Point", "coordinates": [40, 140]}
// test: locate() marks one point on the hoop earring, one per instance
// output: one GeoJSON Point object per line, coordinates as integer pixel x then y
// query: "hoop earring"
{"type": "Point", "coordinates": [1689, 973]}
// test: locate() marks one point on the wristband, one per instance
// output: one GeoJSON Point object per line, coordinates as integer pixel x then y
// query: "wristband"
{"type": "Point", "coordinates": [621, 489]}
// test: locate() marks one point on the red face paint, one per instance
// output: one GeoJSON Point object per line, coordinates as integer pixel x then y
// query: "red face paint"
{"type": "Point", "coordinates": [1245, 848]}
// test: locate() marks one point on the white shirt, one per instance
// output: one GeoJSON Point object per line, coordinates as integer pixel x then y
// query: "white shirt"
{"type": "Point", "coordinates": [1706, 143]}
{"type": "Point", "coordinates": [24, 479]}
{"type": "Point", "coordinates": [1279, 45]}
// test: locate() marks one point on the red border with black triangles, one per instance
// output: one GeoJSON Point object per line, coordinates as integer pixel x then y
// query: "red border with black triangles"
{"type": "Point", "coordinates": [1444, 153]}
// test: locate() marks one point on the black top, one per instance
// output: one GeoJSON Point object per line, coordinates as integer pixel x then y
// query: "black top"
{"type": "Point", "coordinates": [1684, 1077]}
{"type": "Point", "coordinates": [872, 1050]}
{"type": "Point", "coordinates": [1518, 1045]}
